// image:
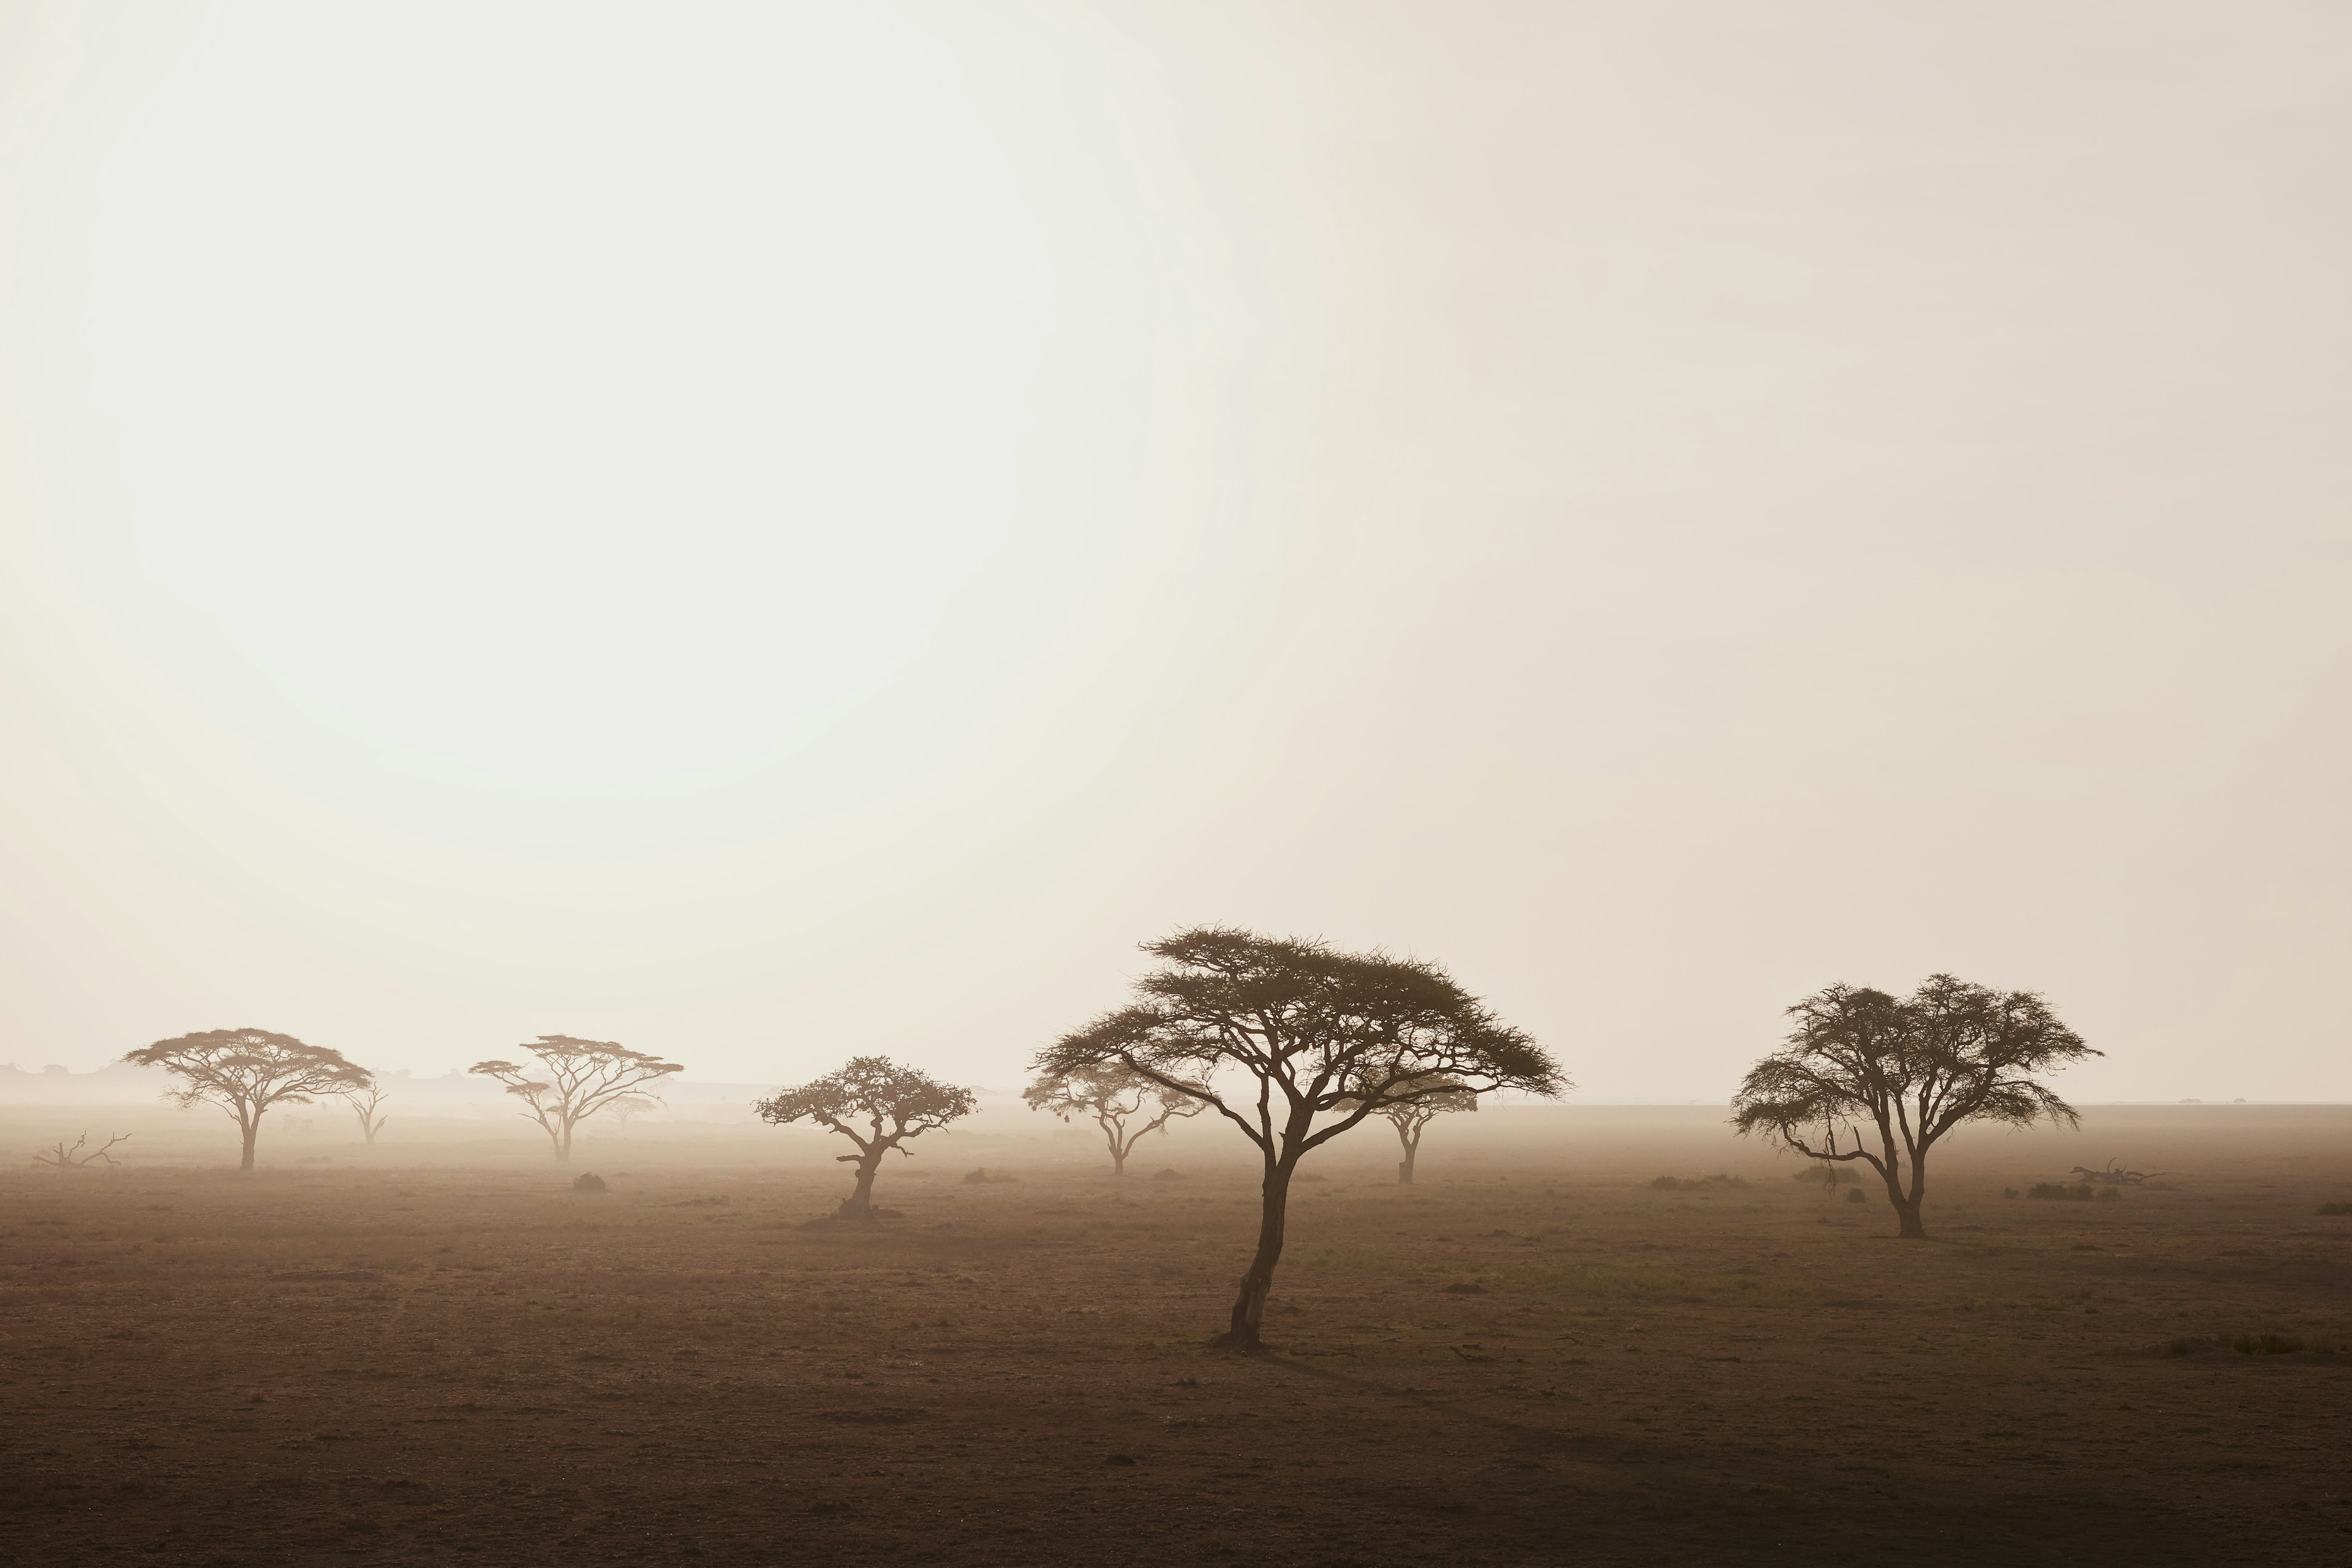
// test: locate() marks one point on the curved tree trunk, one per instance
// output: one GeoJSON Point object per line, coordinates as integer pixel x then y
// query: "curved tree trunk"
{"type": "Point", "coordinates": [859, 1204]}
{"type": "Point", "coordinates": [252, 1131]}
{"type": "Point", "coordinates": [1249, 1303]}
{"type": "Point", "coordinates": [1412, 1154]}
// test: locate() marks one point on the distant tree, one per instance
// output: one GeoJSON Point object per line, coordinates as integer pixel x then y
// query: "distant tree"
{"type": "Point", "coordinates": [1127, 1106]}
{"type": "Point", "coordinates": [247, 1071]}
{"type": "Point", "coordinates": [573, 1080]}
{"type": "Point", "coordinates": [365, 1103]}
{"type": "Point", "coordinates": [1412, 1117]}
{"type": "Point", "coordinates": [630, 1105]}
{"type": "Point", "coordinates": [1315, 1033]}
{"type": "Point", "coordinates": [890, 1102]}
{"type": "Point", "coordinates": [63, 1159]}
{"type": "Point", "coordinates": [1862, 1066]}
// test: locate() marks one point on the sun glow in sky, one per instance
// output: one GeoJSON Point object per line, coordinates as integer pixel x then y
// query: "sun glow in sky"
{"type": "Point", "coordinates": [768, 532]}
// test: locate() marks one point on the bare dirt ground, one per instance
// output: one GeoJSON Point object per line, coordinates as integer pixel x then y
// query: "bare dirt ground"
{"type": "Point", "coordinates": [1533, 1357]}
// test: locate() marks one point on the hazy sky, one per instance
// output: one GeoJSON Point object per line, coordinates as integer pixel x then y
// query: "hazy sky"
{"type": "Point", "coordinates": [768, 532]}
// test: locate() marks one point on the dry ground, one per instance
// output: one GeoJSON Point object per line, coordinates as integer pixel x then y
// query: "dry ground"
{"type": "Point", "coordinates": [1541, 1359]}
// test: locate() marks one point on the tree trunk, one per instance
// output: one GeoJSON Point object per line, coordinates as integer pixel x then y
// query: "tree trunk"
{"type": "Point", "coordinates": [1249, 1304]}
{"type": "Point", "coordinates": [1906, 1206]}
{"type": "Point", "coordinates": [859, 1204]}
{"type": "Point", "coordinates": [1118, 1157]}
{"type": "Point", "coordinates": [563, 1146]}
{"type": "Point", "coordinates": [1404, 1171]}
{"type": "Point", "coordinates": [252, 1131]}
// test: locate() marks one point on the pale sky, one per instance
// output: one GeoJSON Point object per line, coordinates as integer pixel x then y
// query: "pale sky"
{"type": "Point", "coordinates": [773, 532]}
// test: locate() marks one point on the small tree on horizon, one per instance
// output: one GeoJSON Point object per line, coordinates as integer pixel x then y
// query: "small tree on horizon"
{"type": "Point", "coordinates": [1411, 1119]}
{"type": "Point", "coordinates": [1861, 1066]}
{"type": "Point", "coordinates": [576, 1080]}
{"type": "Point", "coordinates": [1127, 1106]}
{"type": "Point", "coordinates": [894, 1104]}
{"type": "Point", "coordinates": [364, 1104]}
{"type": "Point", "coordinates": [1316, 1034]}
{"type": "Point", "coordinates": [247, 1071]}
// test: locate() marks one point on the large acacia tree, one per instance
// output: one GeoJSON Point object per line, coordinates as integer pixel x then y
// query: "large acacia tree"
{"type": "Point", "coordinates": [573, 1080]}
{"type": "Point", "coordinates": [1866, 1077]}
{"type": "Point", "coordinates": [247, 1071]}
{"type": "Point", "coordinates": [1127, 1106]}
{"type": "Point", "coordinates": [890, 1103]}
{"type": "Point", "coordinates": [1315, 1041]}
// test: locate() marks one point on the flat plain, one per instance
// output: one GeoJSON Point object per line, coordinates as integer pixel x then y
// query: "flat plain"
{"type": "Point", "coordinates": [436, 1350]}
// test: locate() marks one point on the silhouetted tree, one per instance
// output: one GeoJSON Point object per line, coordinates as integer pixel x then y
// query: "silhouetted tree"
{"type": "Point", "coordinates": [1316, 1034]}
{"type": "Point", "coordinates": [1912, 1070]}
{"type": "Point", "coordinates": [1127, 1106]}
{"type": "Point", "coordinates": [893, 1104]}
{"type": "Point", "coordinates": [576, 1079]}
{"type": "Point", "coordinates": [247, 1071]}
{"type": "Point", "coordinates": [630, 1105]}
{"type": "Point", "coordinates": [63, 1159]}
{"type": "Point", "coordinates": [364, 1104]}
{"type": "Point", "coordinates": [1413, 1118]}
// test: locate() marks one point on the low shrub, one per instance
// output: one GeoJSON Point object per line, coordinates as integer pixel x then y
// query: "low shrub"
{"type": "Point", "coordinates": [2266, 1344]}
{"type": "Point", "coordinates": [2009, 1192]}
{"type": "Point", "coordinates": [1826, 1175]}
{"type": "Point", "coordinates": [588, 1181]}
{"type": "Point", "coordinates": [1855, 1196]}
{"type": "Point", "coordinates": [2110, 1193]}
{"type": "Point", "coordinates": [2336, 1208]}
{"type": "Point", "coordinates": [2060, 1190]}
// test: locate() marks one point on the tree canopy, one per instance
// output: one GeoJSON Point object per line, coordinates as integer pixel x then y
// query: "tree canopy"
{"type": "Point", "coordinates": [1860, 1067]}
{"type": "Point", "coordinates": [1125, 1105]}
{"type": "Point", "coordinates": [247, 1071]}
{"type": "Point", "coordinates": [573, 1079]}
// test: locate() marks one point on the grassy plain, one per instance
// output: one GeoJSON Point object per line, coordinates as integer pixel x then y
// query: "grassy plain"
{"type": "Point", "coordinates": [436, 1352]}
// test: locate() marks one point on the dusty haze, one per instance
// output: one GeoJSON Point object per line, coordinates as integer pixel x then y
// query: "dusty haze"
{"type": "Point", "coordinates": [787, 534]}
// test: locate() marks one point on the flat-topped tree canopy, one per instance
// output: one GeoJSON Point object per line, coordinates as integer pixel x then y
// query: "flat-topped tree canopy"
{"type": "Point", "coordinates": [1319, 1032]}
{"type": "Point", "coordinates": [1321, 1038]}
{"type": "Point", "coordinates": [247, 1071]}
{"type": "Point", "coordinates": [573, 1079]}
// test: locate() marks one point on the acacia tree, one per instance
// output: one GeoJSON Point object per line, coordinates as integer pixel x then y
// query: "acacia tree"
{"type": "Point", "coordinates": [630, 1105]}
{"type": "Point", "coordinates": [575, 1079]}
{"type": "Point", "coordinates": [364, 1104]}
{"type": "Point", "coordinates": [1312, 1034]}
{"type": "Point", "coordinates": [1125, 1105]}
{"type": "Point", "coordinates": [247, 1071]}
{"type": "Point", "coordinates": [893, 1104]}
{"type": "Point", "coordinates": [1859, 1062]}
{"type": "Point", "coordinates": [1411, 1119]}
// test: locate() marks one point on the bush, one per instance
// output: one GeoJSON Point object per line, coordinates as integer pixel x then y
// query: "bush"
{"type": "Point", "coordinates": [1826, 1175]}
{"type": "Point", "coordinates": [1853, 1195]}
{"type": "Point", "coordinates": [2266, 1344]}
{"type": "Point", "coordinates": [2107, 1193]}
{"type": "Point", "coordinates": [588, 1181]}
{"type": "Point", "coordinates": [2336, 1208]}
{"type": "Point", "coordinates": [2060, 1190]}
{"type": "Point", "coordinates": [2009, 1192]}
